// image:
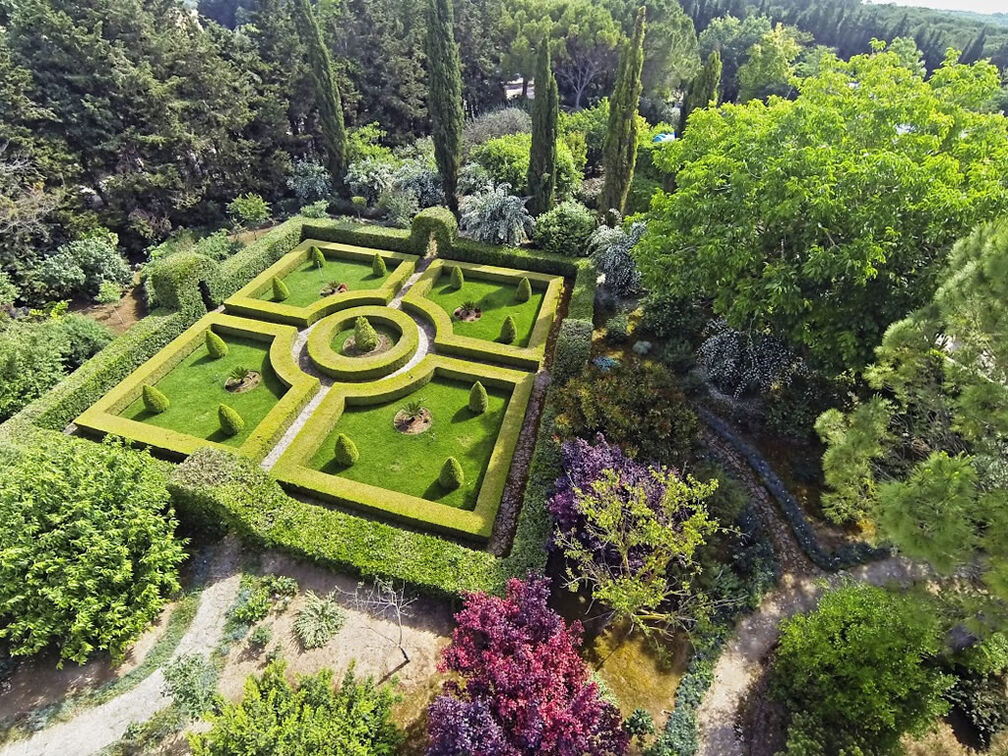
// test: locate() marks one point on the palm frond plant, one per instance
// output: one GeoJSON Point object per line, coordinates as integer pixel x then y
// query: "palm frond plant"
{"type": "Point", "coordinates": [319, 620]}
{"type": "Point", "coordinates": [413, 409]}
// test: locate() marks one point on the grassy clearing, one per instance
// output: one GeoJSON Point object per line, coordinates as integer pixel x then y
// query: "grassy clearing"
{"type": "Point", "coordinates": [195, 388]}
{"type": "Point", "coordinates": [306, 280]}
{"type": "Point", "coordinates": [411, 464]}
{"type": "Point", "coordinates": [497, 300]}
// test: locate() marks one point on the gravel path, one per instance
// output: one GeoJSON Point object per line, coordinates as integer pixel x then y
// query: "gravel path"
{"type": "Point", "coordinates": [103, 725]}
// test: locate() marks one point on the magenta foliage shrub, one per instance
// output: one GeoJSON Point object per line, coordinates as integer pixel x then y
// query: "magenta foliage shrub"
{"type": "Point", "coordinates": [523, 689]}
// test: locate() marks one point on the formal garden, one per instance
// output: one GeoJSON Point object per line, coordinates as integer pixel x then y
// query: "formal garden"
{"type": "Point", "coordinates": [503, 378]}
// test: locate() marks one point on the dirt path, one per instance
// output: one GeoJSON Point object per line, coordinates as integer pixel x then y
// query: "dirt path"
{"type": "Point", "coordinates": [103, 725]}
{"type": "Point", "coordinates": [740, 664]}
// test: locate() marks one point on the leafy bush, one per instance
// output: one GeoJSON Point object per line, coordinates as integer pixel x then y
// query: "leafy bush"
{"type": "Point", "coordinates": [378, 266]}
{"type": "Point", "coordinates": [365, 336]}
{"type": "Point", "coordinates": [419, 177]}
{"type": "Point", "coordinates": [280, 290]}
{"type": "Point", "coordinates": [451, 476]}
{"type": "Point", "coordinates": [618, 328]}
{"type": "Point", "coordinates": [509, 331]}
{"type": "Point", "coordinates": [154, 399]}
{"type": "Point", "coordinates": [507, 160]}
{"type": "Point", "coordinates": [318, 209]}
{"type": "Point", "coordinates": [248, 210]}
{"type": "Point", "coordinates": [667, 317]}
{"type": "Point", "coordinates": [478, 400]}
{"type": "Point", "coordinates": [318, 620]}
{"type": "Point", "coordinates": [982, 700]}
{"type": "Point", "coordinates": [635, 405]}
{"type": "Point", "coordinates": [399, 207]}
{"type": "Point", "coordinates": [80, 267]}
{"type": "Point", "coordinates": [474, 179]}
{"type": "Point", "coordinates": [8, 291]}
{"type": "Point", "coordinates": [346, 454]}
{"type": "Point", "coordinates": [610, 248]}
{"type": "Point", "coordinates": [740, 363]}
{"type": "Point", "coordinates": [370, 177]}
{"type": "Point", "coordinates": [85, 337]}
{"type": "Point", "coordinates": [496, 123]}
{"type": "Point", "coordinates": [216, 346]}
{"type": "Point", "coordinates": [497, 217]}
{"type": "Point", "coordinates": [309, 181]}
{"type": "Point", "coordinates": [257, 595]}
{"type": "Point", "coordinates": [191, 681]}
{"type": "Point", "coordinates": [365, 142]}
{"type": "Point", "coordinates": [273, 717]}
{"type": "Point", "coordinates": [231, 422]}
{"type": "Point", "coordinates": [565, 229]}
{"type": "Point", "coordinates": [573, 348]}
{"type": "Point", "coordinates": [593, 122]}
{"type": "Point", "coordinates": [260, 636]}
{"type": "Point", "coordinates": [523, 292]}
{"type": "Point", "coordinates": [89, 545]}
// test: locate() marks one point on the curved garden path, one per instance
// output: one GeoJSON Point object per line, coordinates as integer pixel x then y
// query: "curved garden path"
{"type": "Point", "coordinates": [96, 728]}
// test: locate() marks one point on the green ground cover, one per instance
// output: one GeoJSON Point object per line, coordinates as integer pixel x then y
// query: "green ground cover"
{"type": "Point", "coordinates": [411, 464]}
{"type": "Point", "coordinates": [195, 388]}
{"type": "Point", "coordinates": [383, 330]}
{"type": "Point", "coordinates": [305, 281]}
{"type": "Point", "coordinates": [497, 300]}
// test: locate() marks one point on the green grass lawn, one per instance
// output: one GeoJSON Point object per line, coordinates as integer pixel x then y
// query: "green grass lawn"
{"type": "Point", "coordinates": [195, 387]}
{"type": "Point", "coordinates": [411, 464]}
{"type": "Point", "coordinates": [497, 300]}
{"type": "Point", "coordinates": [340, 338]}
{"type": "Point", "coordinates": [305, 281]}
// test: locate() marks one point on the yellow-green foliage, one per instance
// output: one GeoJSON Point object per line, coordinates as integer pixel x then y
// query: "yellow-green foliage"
{"type": "Point", "coordinates": [346, 453]}
{"type": "Point", "coordinates": [154, 399]}
{"type": "Point", "coordinates": [231, 422]}
{"type": "Point", "coordinates": [365, 336]}
{"type": "Point", "coordinates": [457, 279]}
{"type": "Point", "coordinates": [524, 291]}
{"type": "Point", "coordinates": [280, 290]}
{"type": "Point", "coordinates": [478, 399]}
{"type": "Point", "coordinates": [451, 476]}
{"type": "Point", "coordinates": [509, 332]}
{"type": "Point", "coordinates": [318, 259]}
{"type": "Point", "coordinates": [378, 265]}
{"type": "Point", "coordinates": [215, 345]}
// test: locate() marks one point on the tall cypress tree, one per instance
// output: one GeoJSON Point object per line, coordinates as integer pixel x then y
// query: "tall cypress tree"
{"type": "Point", "coordinates": [543, 157]}
{"type": "Point", "coordinates": [445, 97]}
{"type": "Point", "coordinates": [620, 150]}
{"type": "Point", "coordinates": [703, 90]}
{"type": "Point", "coordinates": [327, 94]}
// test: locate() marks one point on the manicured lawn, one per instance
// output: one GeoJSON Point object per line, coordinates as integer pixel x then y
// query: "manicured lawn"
{"type": "Point", "coordinates": [340, 338]}
{"type": "Point", "coordinates": [195, 388]}
{"type": "Point", "coordinates": [411, 464]}
{"type": "Point", "coordinates": [306, 280]}
{"type": "Point", "coordinates": [497, 300]}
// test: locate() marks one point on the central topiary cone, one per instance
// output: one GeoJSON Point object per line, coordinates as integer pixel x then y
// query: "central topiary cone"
{"type": "Point", "coordinates": [451, 476]}
{"type": "Point", "coordinates": [524, 291]}
{"type": "Point", "coordinates": [457, 279]}
{"type": "Point", "coordinates": [318, 259]}
{"type": "Point", "coordinates": [378, 265]}
{"type": "Point", "coordinates": [478, 400]}
{"type": "Point", "coordinates": [365, 337]}
{"type": "Point", "coordinates": [230, 421]}
{"type": "Point", "coordinates": [280, 290]}
{"type": "Point", "coordinates": [509, 331]}
{"type": "Point", "coordinates": [215, 345]}
{"type": "Point", "coordinates": [346, 453]}
{"type": "Point", "coordinates": [154, 399]}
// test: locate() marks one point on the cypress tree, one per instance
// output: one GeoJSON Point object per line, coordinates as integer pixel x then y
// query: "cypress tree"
{"type": "Point", "coordinates": [543, 157]}
{"type": "Point", "coordinates": [445, 95]}
{"type": "Point", "coordinates": [327, 94]}
{"type": "Point", "coordinates": [620, 150]}
{"type": "Point", "coordinates": [703, 90]}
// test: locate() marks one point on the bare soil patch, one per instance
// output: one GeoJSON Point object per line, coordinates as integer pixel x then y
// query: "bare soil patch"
{"type": "Point", "coordinates": [249, 382]}
{"type": "Point", "coordinates": [350, 347]}
{"type": "Point", "coordinates": [413, 425]}
{"type": "Point", "coordinates": [468, 316]}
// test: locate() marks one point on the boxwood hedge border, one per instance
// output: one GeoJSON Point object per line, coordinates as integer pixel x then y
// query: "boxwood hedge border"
{"type": "Point", "coordinates": [343, 368]}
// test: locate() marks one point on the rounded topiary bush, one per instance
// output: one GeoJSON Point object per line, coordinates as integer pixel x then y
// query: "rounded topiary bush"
{"type": "Point", "coordinates": [230, 421]}
{"type": "Point", "coordinates": [280, 290]}
{"type": "Point", "coordinates": [524, 291]}
{"type": "Point", "coordinates": [346, 453]}
{"type": "Point", "coordinates": [457, 279]}
{"type": "Point", "coordinates": [215, 345]}
{"type": "Point", "coordinates": [154, 399]}
{"type": "Point", "coordinates": [378, 266]}
{"type": "Point", "coordinates": [451, 476]}
{"type": "Point", "coordinates": [365, 336]}
{"type": "Point", "coordinates": [478, 400]}
{"type": "Point", "coordinates": [509, 331]}
{"type": "Point", "coordinates": [318, 259]}
{"type": "Point", "coordinates": [565, 229]}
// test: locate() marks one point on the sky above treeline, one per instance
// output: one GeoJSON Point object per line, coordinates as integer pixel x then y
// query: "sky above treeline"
{"type": "Point", "coordinates": [977, 6]}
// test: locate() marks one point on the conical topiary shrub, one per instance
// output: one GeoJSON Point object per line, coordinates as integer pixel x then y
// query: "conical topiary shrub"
{"type": "Point", "coordinates": [154, 399]}
{"type": "Point", "coordinates": [509, 331]}
{"type": "Point", "coordinates": [280, 290]}
{"type": "Point", "coordinates": [378, 265]}
{"type": "Point", "coordinates": [478, 400]}
{"type": "Point", "coordinates": [365, 337]}
{"type": "Point", "coordinates": [457, 279]}
{"type": "Point", "coordinates": [318, 259]}
{"type": "Point", "coordinates": [451, 476]}
{"type": "Point", "coordinates": [215, 345]}
{"type": "Point", "coordinates": [230, 421]}
{"type": "Point", "coordinates": [524, 290]}
{"type": "Point", "coordinates": [346, 451]}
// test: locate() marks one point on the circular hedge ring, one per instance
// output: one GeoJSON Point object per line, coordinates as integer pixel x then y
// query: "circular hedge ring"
{"type": "Point", "coordinates": [328, 359]}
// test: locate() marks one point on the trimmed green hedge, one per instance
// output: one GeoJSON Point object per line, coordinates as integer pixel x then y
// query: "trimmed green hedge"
{"type": "Point", "coordinates": [341, 367]}
{"type": "Point", "coordinates": [436, 222]}
{"type": "Point", "coordinates": [359, 234]}
{"type": "Point", "coordinates": [572, 350]}
{"type": "Point", "coordinates": [173, 283]}
{"type": "Point", "coordinates": [237, 270]}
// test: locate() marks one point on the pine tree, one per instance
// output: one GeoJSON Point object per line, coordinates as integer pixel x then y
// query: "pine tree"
{"type": "Point", "coordinates": [703, 90]}
{"type": "Point", "coordinates": [543, 157]}
{"type": "Point", "coordinates": [327, 94]}
{"type": "Point", "coordinates": [445, 95]}
{"type": "Point", "coordinates": [620, 151]}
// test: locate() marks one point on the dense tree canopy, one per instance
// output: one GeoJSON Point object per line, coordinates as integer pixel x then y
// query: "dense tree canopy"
{"type": "Point", "coordinates": [826, 218]}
